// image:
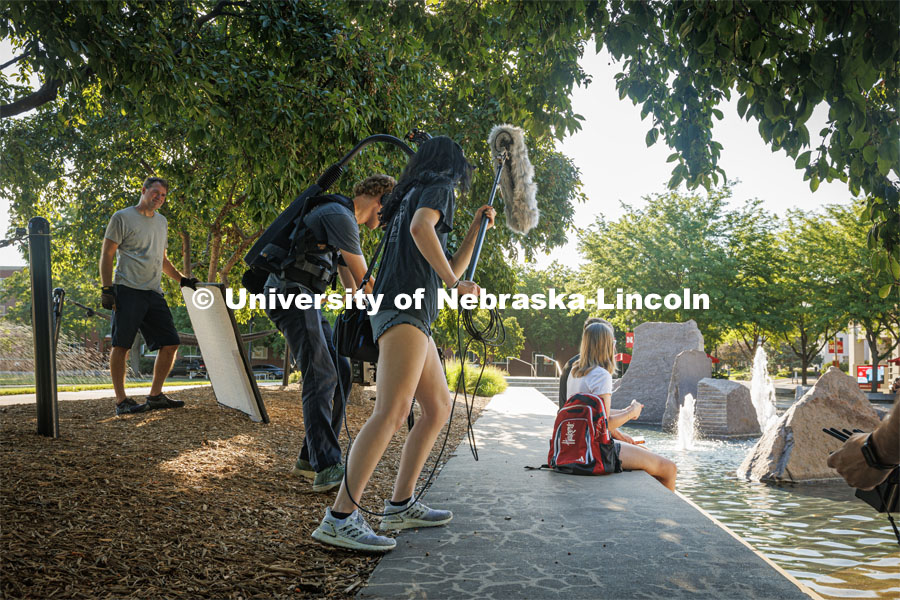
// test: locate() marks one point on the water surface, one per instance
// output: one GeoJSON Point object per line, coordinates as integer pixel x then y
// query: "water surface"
{"type": "Point", "coordinates": [821, 534]}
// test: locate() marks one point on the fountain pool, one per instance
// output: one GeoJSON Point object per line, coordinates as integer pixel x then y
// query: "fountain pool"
{"type": "Point", "coordinates": [822, 535]}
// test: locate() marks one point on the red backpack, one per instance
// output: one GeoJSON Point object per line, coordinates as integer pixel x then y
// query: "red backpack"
{"type": "Point", "coordinates": [581, 443]}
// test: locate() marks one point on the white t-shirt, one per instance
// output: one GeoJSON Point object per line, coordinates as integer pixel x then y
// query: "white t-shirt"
{"type": "Point", "coordinates": [598, 381]}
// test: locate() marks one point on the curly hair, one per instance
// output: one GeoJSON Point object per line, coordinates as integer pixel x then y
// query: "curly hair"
{"type": "Point", "coordinates": [438, 160]}
{"type": "Point", "coordinates": [375, 185]}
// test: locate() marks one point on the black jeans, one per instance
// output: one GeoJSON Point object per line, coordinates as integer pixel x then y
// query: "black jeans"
{"type": "Point", "coordinates": [309, 335]}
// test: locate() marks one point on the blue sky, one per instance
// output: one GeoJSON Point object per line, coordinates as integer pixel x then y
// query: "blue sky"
{"type": "Point", "coordinates": [616, 164]}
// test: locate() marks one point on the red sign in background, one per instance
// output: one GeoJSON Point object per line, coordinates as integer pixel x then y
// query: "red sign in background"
{"type": "Point", "coordinates": [629, 339]}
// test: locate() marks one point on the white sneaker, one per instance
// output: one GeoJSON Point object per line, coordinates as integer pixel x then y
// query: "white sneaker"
{"type": "Point", "coordinates": [413, 514]}
{"type": "Point", "coordinates": [352, 532]}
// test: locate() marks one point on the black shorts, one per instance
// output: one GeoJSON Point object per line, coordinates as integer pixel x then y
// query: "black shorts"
{"type": "Point", "coordinates": [144, 310]}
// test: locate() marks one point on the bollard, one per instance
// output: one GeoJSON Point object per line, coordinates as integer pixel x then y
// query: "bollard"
{"type": "Point", "coordinates": [287, 364]}
{"type": "Point", "coordinates": [42, 327]}
{"type": "Point", "coordinates": [59, 300]}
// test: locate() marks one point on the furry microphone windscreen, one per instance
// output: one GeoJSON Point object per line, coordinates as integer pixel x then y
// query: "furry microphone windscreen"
{"type": "Point", "coordinates": [517, 179]}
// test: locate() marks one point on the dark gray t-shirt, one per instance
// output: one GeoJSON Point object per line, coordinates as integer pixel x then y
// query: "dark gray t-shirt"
{"type": "Point", "coordinates": [403, 267]}
{"type": "Point", "coordinates": [331, 223]}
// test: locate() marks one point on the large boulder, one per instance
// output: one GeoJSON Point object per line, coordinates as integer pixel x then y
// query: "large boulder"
{"type": "Point", "coordinates": [724, 409]}
{"type": "Point", "coordinates": [690, 367]}
{"type": "Point", "coordinates": [647, 379]}
{"type": "Point", "coordinates": [795, 448]}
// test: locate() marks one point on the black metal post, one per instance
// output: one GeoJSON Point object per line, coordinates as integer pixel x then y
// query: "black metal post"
{"type": "Point", "coordinates": [287, 364]}
{"type": "Point", "coordinates": [42, 327]}
{"type": "Point", "coordinates": [59, 299]}
{"type": "Point", "coordinates": [479, 241]}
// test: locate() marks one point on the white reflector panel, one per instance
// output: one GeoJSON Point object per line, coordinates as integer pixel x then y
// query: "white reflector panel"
{"type": "Point", "coordinates": [223, 352]}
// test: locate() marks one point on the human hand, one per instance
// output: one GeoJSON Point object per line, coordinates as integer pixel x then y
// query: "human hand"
{"type": "Point", "coordinates": [484, 211]}
{"type": "Point", "coordinates": [468, 288]}
{"type": "Point", "coordinates": [850, 463]}
{"type": "Point", "coordinates": [636, 408]}
{"type": "Point", "coordinates": [190, 282]}
{"type": "Point", "coordinates": [108, 297]}
{"type": "Point", "coordinates": [624, 437]}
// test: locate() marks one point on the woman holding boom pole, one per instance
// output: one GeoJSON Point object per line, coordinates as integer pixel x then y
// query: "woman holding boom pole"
{"type": "Point", "coordinates": [418, 216]}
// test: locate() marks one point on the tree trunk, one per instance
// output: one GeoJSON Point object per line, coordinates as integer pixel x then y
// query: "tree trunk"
{"type": "Point", "coordinates": [804, 357]}
{"type": "Point", "coordinates": [215, 248]}
{"type": "Point", "coordinates": [873, 348]}
{"type": "Point", "coordinates": [186, 254]}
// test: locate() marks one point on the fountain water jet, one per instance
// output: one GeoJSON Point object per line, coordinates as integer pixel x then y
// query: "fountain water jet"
{"type": "Point", "coordinates": [686, 426]}
{"type": "Point", "coordinates": [762, 391]}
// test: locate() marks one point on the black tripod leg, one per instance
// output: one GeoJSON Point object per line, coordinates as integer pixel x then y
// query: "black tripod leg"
{"type": "Point", "coordinates": [411, 417]}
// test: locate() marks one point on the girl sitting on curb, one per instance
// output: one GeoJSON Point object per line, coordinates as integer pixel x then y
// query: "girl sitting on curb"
{"type": "Point", "coordinates": [591, 375]}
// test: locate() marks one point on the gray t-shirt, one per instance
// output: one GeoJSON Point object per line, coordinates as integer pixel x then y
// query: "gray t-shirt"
{"type": "Point", "coordinates": [331, 223]}
{"type": "Point", "coordinates": [142, 244]}
{"type": "Point", "coordinates": [403, 268]}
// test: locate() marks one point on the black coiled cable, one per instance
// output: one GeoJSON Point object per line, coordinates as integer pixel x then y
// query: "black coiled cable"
{"type": "Point", "coordinates": [492, 334]}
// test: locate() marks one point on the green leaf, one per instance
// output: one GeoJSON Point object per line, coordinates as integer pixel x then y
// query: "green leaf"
{"type": "Point", "coordinates": [803, 160]}
{"type": "Point", "coordinates": [869, 154]}
{"type": "Point", "coordinates": [885, 290]}
{"type": "Point", "coordinates": [894, 267]}
{"type": "Point", "coordinates": [742, 105]}
{"type": "Point", "coordinates": [651, 136]}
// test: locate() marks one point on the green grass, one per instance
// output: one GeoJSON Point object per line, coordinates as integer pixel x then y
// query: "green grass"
{"type": "Point", "coordinates": [493, 381]}
{"type": "Point", "coordinates": [80, 387]}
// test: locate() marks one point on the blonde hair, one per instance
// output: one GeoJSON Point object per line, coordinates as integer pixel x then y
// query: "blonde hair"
{"type": "Point", "coordinates": [598, 347]}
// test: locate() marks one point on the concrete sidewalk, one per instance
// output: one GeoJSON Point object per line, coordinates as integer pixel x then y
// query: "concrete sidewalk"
{"type": "Point", "coordinates": [539, 534]}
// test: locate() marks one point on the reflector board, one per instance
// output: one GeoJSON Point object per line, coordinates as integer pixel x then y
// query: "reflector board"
{"type": "Point", "coordinates": [223, 351]}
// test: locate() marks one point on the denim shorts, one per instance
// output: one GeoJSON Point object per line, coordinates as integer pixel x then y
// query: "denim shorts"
{"type": "Point", "coordinates": [385, 319]}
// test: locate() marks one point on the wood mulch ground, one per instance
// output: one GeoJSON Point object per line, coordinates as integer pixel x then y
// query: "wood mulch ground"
{"type": "Point", "coordinates": [186, 503]}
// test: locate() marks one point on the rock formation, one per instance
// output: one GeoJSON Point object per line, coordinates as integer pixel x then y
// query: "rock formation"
{"type": "Point", "coordinates": [690, 367]}
{"type": "Point", "coordinates": [795, 448]}
{"type": "Point", "coordinates": [647, 380]}
{"type": "Point", "coordinates": [724, 409]}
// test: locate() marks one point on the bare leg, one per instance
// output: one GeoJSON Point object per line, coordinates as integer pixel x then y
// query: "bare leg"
{"type": "Point", "coordinates": [403, 349]}
{"type": "Point", "coordinates": [639, 459]}
{"type": "Point", "coordinates": [434, 400]}
{"type": "Point", "coordinates": [117, 358]}
{"type": "Point", "coordinates": [165, 358]}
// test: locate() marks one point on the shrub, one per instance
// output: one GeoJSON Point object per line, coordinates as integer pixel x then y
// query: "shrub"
{"type": "Point", "coordinates": [294, 377]}
{"type": "Point", "coordinates": [493, 381]}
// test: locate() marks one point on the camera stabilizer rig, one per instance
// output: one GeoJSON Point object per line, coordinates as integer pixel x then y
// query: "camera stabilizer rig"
{"type": "Point", "coordinates": [885, 497]}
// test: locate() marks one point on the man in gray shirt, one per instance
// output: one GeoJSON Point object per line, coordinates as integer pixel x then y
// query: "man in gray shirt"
{"type": "Point", "coordinates": [137, 237]}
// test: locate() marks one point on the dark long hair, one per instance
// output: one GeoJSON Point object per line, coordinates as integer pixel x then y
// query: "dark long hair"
{"type": "Point", "coordinates": [438, 160]}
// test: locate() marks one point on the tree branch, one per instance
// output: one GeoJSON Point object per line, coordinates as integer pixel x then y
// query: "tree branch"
{"type": "Point", "coordinates": [239, 252]}
{"type": "Point", "coordinates": [16, 59]}
{"type": "Point", "coordinates": [47, 93]}
{"type": "Point", "coordinates": [147, 167]}
{"type": "Point", "coordinates": [218, 11]}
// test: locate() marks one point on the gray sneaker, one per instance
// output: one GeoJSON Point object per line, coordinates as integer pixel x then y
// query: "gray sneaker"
{"type": "Point", "coordinates": [130, 407]}
{"type": "Point", "coordinates": [303, 468]}
{"type": "Point", "coordinates": [417, 515]}
{"type": "Point", "coordinates": [352, 532]}
{"type": "Point", "coordinates": [328, 478]}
